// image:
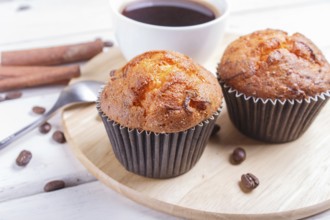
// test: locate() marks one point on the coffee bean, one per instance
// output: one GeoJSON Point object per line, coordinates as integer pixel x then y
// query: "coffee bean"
{"type": "Point", "coordinates": [23, 8]}
{"type": "Point", "coordinates": [13, 95]}
{"type": "Point", "coordinates": [23, 158]}
{"type": "Point", "coordinates": [45, 128]}
{"type": "Point", "coordinates": [59, 137]}
{"type": "Point", "coordinates": [54, 185]}
{"type": "Point", "coordinates": [112, 73]}
{"type": "Point", "coordinates": [107, 43]}
{"type": "Point", "coordinates": [215, 130]}
{"type": "Point", "coordinates": [238, 156]}
{"type": "Point", "coordinates": [38, 110]}
{"type": "Point", "coordinates": [249, 181]}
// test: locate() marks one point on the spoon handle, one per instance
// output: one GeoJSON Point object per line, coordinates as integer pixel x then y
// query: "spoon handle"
{"type": "Point", "coordinates": [11, 138]}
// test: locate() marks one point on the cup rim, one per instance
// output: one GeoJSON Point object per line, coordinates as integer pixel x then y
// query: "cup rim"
{"type": "Point", "coordinates": [192, 27]}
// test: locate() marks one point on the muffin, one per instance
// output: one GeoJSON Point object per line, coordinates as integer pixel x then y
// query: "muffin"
{"type": "Point", "coordinates": [159, 110]}
{"type": "Point", "coordinates": [274, 84]}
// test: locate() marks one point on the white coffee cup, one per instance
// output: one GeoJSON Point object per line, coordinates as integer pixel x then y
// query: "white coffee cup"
{"type": "Point", "coordinates": [200, 42]}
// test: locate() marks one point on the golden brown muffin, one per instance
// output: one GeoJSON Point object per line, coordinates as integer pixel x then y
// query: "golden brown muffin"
{"type": "Point", "coordinates": [271, 64]}
{"type": "Point", "coordinates": [162, 92]}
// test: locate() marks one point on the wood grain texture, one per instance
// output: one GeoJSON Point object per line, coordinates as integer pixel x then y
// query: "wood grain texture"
{"type": "Point", "coordinates": [50, 160]}
{"type": "Point", "coordinates": [50, 19]}
{"type": "Point", "coordinates": [294, 177]}
{"type": "Point", "coordinates": [84, 202]}
{"type": "Point", "coordinates": [289, 18]}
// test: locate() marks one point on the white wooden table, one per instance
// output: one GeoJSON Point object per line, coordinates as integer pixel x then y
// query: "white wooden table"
{"type": "Point", "coordinates": [56, 22]}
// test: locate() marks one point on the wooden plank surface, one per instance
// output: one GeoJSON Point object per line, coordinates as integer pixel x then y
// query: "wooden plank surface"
{"type": "Point", "coordinates": [84, 202]}
{"type": "Point", "coordinates": [50, 160]}
{"type": "Point", "coordinates": [309, 19]}
{"type": "Point", "coordinates": [258, 5]}
{"type": "Point", "coordinates": [52, 18]}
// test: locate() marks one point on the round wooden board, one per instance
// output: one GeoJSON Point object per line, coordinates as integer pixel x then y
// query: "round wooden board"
{"type": "Point", "coordinates": [294, 177]}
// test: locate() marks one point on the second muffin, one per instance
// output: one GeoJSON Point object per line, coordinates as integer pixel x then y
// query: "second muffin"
{"type": "Point", "coordinates": [274, 84]}
{"type": "Point", "coordinates": [159, 110]}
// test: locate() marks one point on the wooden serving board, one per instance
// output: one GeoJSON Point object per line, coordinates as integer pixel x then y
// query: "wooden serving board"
{"type": "Point", "coordinates": [294, 177]}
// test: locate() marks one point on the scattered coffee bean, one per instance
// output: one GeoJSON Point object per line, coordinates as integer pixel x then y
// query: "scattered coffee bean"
{"type": "Point", "coordinates": [216, 129]}
{"type": "Point", "coordinates": [54, 185]}
{"type": "Point", "coordinates": [13, 95]}
{"type": "Point", "coordinates": [59, 137]}
{"type": "Point", "coordinates": [23, 158]}
{"type": "Point", "coordinates": [112, 73]}
{"type": "Point", "coordinates": [38, 110]}
{"type": "Point", "coordinates": [249, 181]}
{"type": "Point", "coordinates": [23, 8]}
{"type": "Point", "coordinates": [238, 156]}
{"type": "Point", "coordinates": [45, 128]}
{"type": "Point", "coordinates": [107, 43]}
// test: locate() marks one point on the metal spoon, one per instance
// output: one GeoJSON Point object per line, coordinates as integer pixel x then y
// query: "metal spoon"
{"type": "Point", "coordinates": [79, 92]}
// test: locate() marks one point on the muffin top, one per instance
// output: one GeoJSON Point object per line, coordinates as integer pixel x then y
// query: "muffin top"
{"type": "Point", "coordinates": [162, 92]}
{"type": "Point", "coordinates": [271, 64]}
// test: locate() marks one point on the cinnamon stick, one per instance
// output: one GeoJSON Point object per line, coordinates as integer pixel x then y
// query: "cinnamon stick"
{"type": "Point", "coordinates": [52, 55]}
{"type": "Point", "coordinates": [23, 77]}
{"type": "Point", "coordinates": [15, 71]}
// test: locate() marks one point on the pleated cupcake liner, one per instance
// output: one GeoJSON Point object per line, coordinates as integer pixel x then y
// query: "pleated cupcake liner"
{"type": "Point", "coordinates": [158, 155]}
{"type": "Point", "coordinates": [273, 121]}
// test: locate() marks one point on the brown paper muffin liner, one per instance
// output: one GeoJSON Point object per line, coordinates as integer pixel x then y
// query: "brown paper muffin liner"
{"type": "Point", "coordinates": [158, 155]}
{"type": "Point", "coordinates": [270, 120]}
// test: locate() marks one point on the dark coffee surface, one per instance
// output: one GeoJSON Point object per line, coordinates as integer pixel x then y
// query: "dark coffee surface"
{"type": "Point", "coordinates": [169, 13]}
